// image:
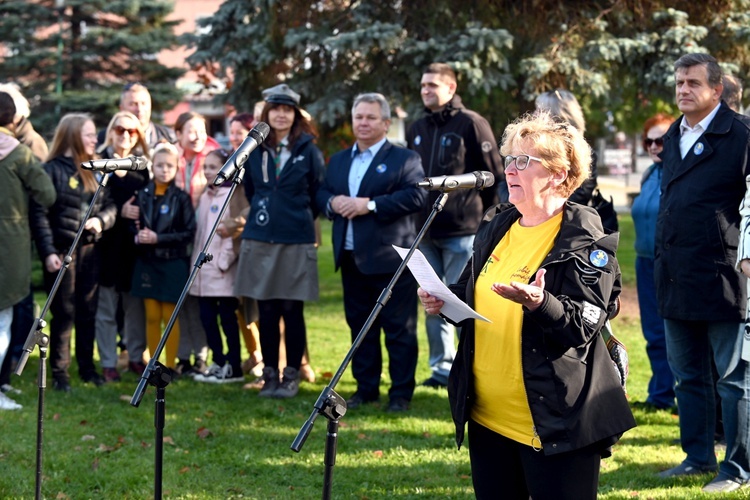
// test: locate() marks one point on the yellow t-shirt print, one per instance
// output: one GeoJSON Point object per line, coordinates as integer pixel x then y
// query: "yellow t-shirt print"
{"type": "Point", "coordinates": [501, 402]}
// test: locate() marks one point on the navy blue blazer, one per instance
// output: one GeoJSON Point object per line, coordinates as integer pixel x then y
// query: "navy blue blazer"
{"type": "Point", "coordinates": [697, 229]}
{"type": "Point", "coordinates": [391, 181]}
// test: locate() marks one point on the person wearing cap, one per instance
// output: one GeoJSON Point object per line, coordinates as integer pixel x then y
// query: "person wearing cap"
{"type": "Point", "coordinates": [278, 264]}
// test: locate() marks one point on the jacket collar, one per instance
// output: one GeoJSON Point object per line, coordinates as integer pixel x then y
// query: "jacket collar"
{"type": "Point", "coordinates": [452, 108]}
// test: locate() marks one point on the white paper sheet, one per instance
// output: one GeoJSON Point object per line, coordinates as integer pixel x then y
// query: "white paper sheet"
{"type": "Point", "coordinates": [455, 309]}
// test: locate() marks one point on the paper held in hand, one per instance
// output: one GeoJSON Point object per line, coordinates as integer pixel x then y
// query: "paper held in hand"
{"type": "Point", "coordinates": [454, 309]}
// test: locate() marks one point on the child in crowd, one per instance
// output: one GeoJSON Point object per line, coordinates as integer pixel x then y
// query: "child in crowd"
{"type": "Point", "coordinates": [214, 284]}
{"type": "Point", "coordinates": [163, 235]}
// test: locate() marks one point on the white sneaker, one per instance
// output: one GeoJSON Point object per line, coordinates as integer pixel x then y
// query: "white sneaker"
{"type": "Point", "coordinates": [212, 371]}
{"type": "Point", "coordinates": [9, 389]}
{"type": "Point", "coordinates": [225, 375]}
{"type": "Point", "coordinates": [8, 404]}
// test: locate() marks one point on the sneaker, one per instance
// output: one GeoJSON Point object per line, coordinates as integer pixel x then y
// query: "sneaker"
{"type": "Point", "coordinates": [111, 374]}
{"type": "Point", "coordinates": [8, 404]}
{"type": "Point", "coordinates": [9, 389]}
{"type": "Point", "coordinates": [224, 375]}
{"type": "Point", "coordinates": [270, 382]}
{"type": "Point", "coordinates": [213, 371]}
{"type": "Point", "coordinates": [685, 469]}
{"type": "Point", "coordinates": [289, 386]}
{"type": "Point", "coordinates": [722, 484]}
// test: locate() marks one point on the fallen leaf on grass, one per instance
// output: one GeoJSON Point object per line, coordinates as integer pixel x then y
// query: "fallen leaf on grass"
{"type": "Point", "coordinates": [83, 422]}
{"type": "Point", "coordinates": [184, 470]}
{"type": "Point", "coordinates": [144, 444]}
{"type": "Point", "coordinates": [62, 496]}
{"type": "Point", "coordinates": [168, 440]}
{"type": "Point", "coordinates": [327, 375]}
{"type": "Point", "coordinates": [362, 436]}
{"type": "Point", "coordinates": [377, 453]}
{"type": "Point", "coordinates": [203, 432]}
{"type": "Point", "coordinates": [426, 434]}
{"type": "Point", "coordinates": [56, 416]}
{"type": "Point", "coordinates": [125, 397]}
{"type": "Point", "coordinates": [104, 447]}
{"type": "Point", "coordinates": [87, 437]}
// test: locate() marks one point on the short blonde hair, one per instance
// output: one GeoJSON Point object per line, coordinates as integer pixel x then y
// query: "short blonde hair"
{"type": "Point", "coordinates": [560, 145]}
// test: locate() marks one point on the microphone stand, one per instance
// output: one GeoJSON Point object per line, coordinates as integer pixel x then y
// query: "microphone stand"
{"type": "Point", "coordinates": [158, 375]}
{"type": "Point", "coordinates": [330, 404]}
{"type": "Point", "coordinates": [38, 337]}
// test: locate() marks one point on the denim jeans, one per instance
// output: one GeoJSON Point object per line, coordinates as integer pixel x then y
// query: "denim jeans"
{"type": "Point", "coordinates": [448, 257]}
{"type": "Point", "coordinates": [690, 345]}
{"type": "Point", "coordinates": [661, 385]}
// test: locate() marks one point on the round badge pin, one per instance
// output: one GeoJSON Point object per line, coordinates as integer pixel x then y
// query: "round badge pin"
{"type": "Point", "coordinates": [698, 149]}
{"type": "Point", "coordinates": [164, 209]}
{"type": "Point", "coordinates": [380, 168]}
{"type": "Point", "coordinates": [598, 258]}
{"type": "Point", "coordinates": [214, 209]}
{"type": "Point", "coordinates": [418, 140]}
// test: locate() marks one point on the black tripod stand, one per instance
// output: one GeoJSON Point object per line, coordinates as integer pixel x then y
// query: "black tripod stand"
{"type": "Point", "coordinates": [38, 337]}
{"type": "Point", "coordinates": [330, 404]}
{"type": "Point", "coordinates": [158, 375]}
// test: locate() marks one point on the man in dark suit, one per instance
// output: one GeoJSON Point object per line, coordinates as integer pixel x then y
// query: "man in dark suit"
{"type": "Point", "coordinates": [700, 293]}
{"type": "Point", "coordinates": [371, 194]}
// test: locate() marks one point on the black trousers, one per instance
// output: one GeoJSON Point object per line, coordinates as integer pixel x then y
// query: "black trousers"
{"type": "Point", "coordinates": [398, 320]}
{"type": "Point", "coordinates": [74, 304]}
{"type": "Point", "coordinates": [225, 309]}
{"type": "Point", "coordinates": [295, 332]}
{"type": "Point", "coordinates": [503, 468]}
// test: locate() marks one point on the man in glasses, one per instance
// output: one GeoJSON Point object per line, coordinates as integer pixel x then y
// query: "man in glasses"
{"type": "Point", "coordinates": [451, 140]}
{"type": "Point", "coordinates": [701, 295]}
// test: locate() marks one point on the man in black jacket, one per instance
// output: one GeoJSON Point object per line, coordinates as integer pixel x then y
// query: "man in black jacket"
{"type": "Point", "coordinates": [451, 140]}
{"type": "Point", "coordinates": [700, 293]}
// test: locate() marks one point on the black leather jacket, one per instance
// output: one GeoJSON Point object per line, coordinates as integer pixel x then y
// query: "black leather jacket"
{"type": "Point", "coordinates": [171, 217]}
{"type": "Point", "coordinates": [573, 389]}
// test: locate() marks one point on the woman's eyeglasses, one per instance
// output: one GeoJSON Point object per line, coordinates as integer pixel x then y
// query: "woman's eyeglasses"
{"type": "Point", "coordinates": [659, 141]}
{"type": "Point", "coordinates": [119, 130]}
{"type": "Point", "coordinates": [522, 161]}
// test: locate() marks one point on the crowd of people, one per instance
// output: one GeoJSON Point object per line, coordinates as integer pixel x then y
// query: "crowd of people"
{"type": "Point", "coordinates": [529, 255]}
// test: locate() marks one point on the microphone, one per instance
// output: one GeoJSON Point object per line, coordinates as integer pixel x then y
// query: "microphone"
{"type": "Point", "coordinates": [112, 164]}
{"type": "Point", "coordinates": [257, 135]}
{"type": "Point", "coordinates": [474, 180]}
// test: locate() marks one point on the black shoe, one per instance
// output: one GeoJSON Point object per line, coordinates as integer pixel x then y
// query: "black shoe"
{"type": "Point", "coordinates": [650, 407]}
{"type": "Point", "coordinates": [183, 367]}
{"type": "Point", "coordinates": [94, 378]}
{"type": "Point", "coordinates": [397, 405]}
{"type": "Point", "coordinates": [434, 383]}
{"type": "Point", "coordinates": [358, 399]}
{"type": "Point", "coordinates": [61, 384]}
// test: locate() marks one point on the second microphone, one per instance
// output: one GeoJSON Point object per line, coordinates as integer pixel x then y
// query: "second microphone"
{"type": "Point", "coordinates": [254, 138]}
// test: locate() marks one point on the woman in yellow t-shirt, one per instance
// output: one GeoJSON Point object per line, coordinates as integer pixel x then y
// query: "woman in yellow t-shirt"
{"type": "Point", "coordinates": [536, 385]}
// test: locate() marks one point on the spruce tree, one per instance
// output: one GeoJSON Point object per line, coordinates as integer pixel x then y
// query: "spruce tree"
{"type": "Point", "coordinates": [75, 55]}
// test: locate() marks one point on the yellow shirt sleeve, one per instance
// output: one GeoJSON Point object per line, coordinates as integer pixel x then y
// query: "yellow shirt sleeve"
{"type": "Point", "coordinates": [501, 404]}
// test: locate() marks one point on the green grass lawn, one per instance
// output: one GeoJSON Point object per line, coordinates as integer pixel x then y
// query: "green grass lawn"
{"type": "Point", "coordinates": [225, 442]}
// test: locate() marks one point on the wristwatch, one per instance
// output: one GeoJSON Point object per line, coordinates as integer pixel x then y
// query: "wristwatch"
{"type": "Point", "coordinates": [371, 205]}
